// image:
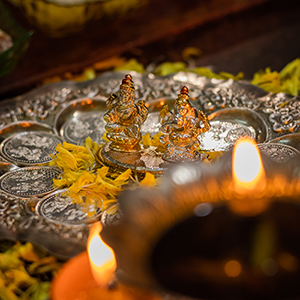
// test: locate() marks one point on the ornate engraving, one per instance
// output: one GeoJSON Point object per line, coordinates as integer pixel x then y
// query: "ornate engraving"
{"type": "Point", "coordinates": [30, 148]}
{"type": "Point", "coordinates": [283, 111]}
{"type": "Point", "coordinates": [59, 208]}
{"type": "Point", "coordinates": [28, 182]}
{"type": "Point", "coordinates": [279, 152]}
{"type": "Point", "coordinates": [10, 212]}
{"type": "Point", "coordinates": [221, 97]}
{"type": "Point", "coordinates": [36, 106]}
{"type": "Point", "coordinates": [208, 94]}
{"type": "Point", "coordinates": [15, 222]}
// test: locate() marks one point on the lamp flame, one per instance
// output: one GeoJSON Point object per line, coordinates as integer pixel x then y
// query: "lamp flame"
{"type": "Point", "coordinates": [248, 170]}
{"type": "Point", "coordinates": [101, 256]}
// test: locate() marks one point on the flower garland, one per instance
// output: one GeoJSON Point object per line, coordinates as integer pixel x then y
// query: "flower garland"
{"type": "Point", "coordinates": [89, 183]}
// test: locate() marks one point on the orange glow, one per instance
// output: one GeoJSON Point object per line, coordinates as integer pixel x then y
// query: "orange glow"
{"type": "Point", "coordinates": [233, 268]}
{"type": "Point", "coordinates": [288, 262]}
{"type": "Point", "coordinates": [101, 256]}
{"type": "Point", "coordinates": [25, 124]}
{"type": "Point", "coordinates": [247, 167]}
{"type": "Point", "coordinates": [162, 103]}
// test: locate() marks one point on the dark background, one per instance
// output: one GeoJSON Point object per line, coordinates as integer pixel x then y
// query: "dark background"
{"type": "Point", "coordinates": [233, 35]}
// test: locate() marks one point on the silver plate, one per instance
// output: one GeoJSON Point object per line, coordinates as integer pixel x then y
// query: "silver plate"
{"type": "Point", "coordinates": [278, 152]}
{"type": "Point", "coordinates": [29, 148]}
{"type": "Point", "coordinates": [29, 182]}
{"type": "Point", "coordinates": [80, 119]}
{"type": "Point", "coordinates": [280, 112]}
{"type": "Point", "coordinates": [59, 208]}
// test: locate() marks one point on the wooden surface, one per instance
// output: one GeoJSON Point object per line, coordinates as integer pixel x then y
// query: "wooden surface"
{"type": "Point", "coordinates": [155, 32]}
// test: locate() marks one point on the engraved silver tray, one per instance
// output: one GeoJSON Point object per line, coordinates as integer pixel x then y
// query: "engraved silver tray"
{"type": "Point", "coordinates": [234, 108]}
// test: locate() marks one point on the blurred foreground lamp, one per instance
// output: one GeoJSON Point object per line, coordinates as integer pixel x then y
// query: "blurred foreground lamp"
{"type": "Point", "coordinates": [228, 230]}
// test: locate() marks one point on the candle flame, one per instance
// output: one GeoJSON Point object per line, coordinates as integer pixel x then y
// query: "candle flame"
{"type": "Point", "coordinates": [248, 170]}
{"type": "Point", "coordinates": [101, 256]}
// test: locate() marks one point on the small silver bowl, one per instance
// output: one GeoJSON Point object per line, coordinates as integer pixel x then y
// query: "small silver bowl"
{"type": "Point", "coordinates": [291, 139]}
{"type": "Point", "coordinates": [29, 182]}
{"type": "Point", "coordinates": [228, 125]}
{"type": "Point", "coordinates": [22, 126]}
{"type": "Point", "coordinates": [80, 119]}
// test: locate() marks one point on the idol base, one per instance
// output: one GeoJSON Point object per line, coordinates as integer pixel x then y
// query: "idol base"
{"type": "Point", "coordinates": [141, 161]}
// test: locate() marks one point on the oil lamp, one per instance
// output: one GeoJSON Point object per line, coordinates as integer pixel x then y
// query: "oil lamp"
{"type": "Point", "coordinates": [227, 230]}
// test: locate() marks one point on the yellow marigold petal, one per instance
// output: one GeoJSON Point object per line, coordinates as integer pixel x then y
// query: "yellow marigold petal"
{"type": "Point", "coordinates": [122, 178]}
{"type": "Point", "coordinates": [102, 172]}
{"type": "Point", "coordinates": [149, 180]}
{"type": "Point", "coordinates": [86, 178]}
{"type": "Point", "coordinates": [59, 182]}
{"type": "Point", "coordinates": [104, 137]}
{"type": "Point", "coordinates": [146, 140]}
{"type": "Point", "coordinates": [291, 68]}
{"type": "Point", "coordinates": [112, 209]}
{"type": "Point", "coordinates": [88, 143]}
{"type": "Point", "coordinates": [72, 175]}
{"type": "Point", "coordinates": [189, 52]}
{"type": "Point", "coordinates": [74, 148]}
{"type": "Point", "coordinates": [76, 198]}
{"type": "Point", "coordinates": [109, 187]}
{"type": "Point", "coordinates": [66, 158]}
{"type": "Point", "coordinates": [74, 188]}
{"type": "Point", "coordinates": [106, 204]}
{"type": "Point", "coordinates": [51, 163]}
{"type": "Point", "coordinates": [96, 148]}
